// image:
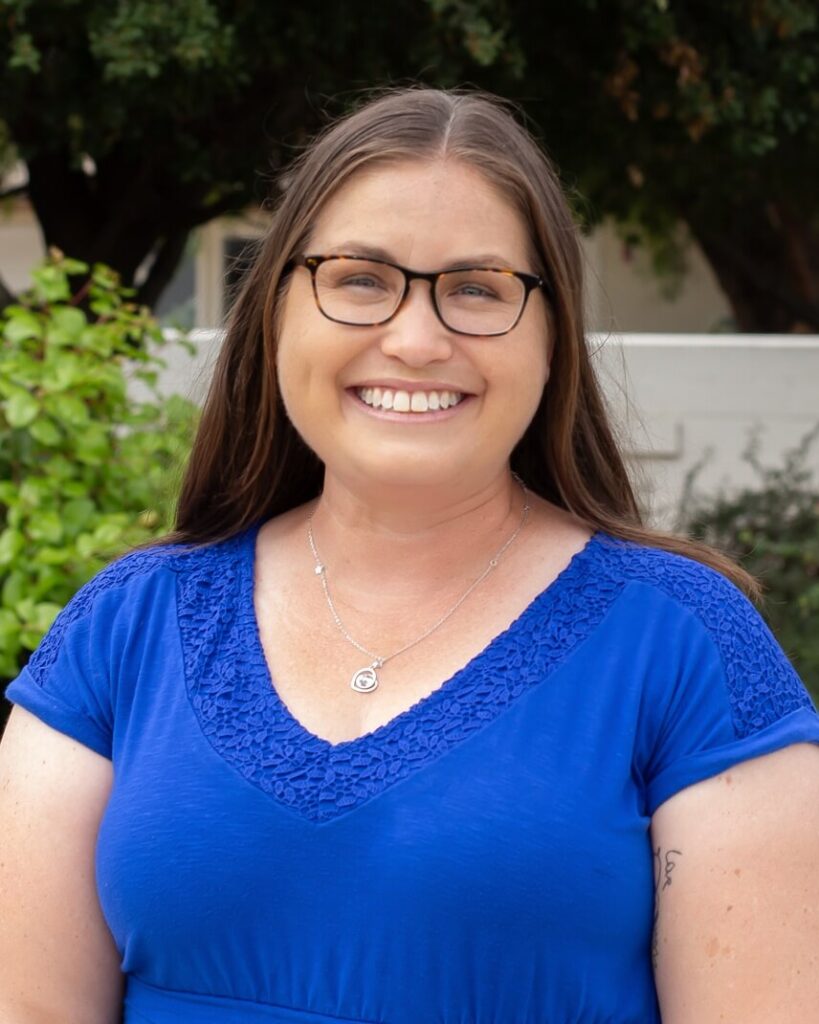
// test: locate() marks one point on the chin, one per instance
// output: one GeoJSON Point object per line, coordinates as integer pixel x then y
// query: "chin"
{"type": "Point", "coordinates": [397, 473]}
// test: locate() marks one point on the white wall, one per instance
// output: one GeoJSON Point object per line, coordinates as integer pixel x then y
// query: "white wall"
{"type": "Point", "coordinates": [680, 398]}
{"type": "Point", "coordinates": [623, 292]}
{"type": "Point", "coordinates": [673, 398]}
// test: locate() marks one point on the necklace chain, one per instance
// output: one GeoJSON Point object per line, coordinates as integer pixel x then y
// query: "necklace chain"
{"type": "Point", "coordinates": [370, 678]}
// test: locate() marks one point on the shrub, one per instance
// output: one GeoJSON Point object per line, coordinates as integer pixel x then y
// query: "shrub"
{"type": "Point", "coordinates": [86, 469]}
{"type": "Point", "coordinates": [773, 530]}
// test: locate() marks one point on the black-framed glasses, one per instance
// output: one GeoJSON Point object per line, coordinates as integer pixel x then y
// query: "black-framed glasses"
{"type": "Point", "coordinates": [363, 292]}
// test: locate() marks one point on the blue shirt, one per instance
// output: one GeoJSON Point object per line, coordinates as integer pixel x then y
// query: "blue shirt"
{"type": "Point", "coordinates": [483, 858]}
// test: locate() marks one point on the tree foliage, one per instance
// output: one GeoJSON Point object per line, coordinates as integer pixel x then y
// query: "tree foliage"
{"type": "Point", "coordinates": [86, 467]}
{"type": "Point", "coordinates": [139, 121]}
{"type": "Point", "coordinates": [663, 112]}
{"type": "Point", "coordinates": [772, 528]}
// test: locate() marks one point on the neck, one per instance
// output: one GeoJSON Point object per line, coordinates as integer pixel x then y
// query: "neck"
{"type": "Point", "coordinates": [413, 543]}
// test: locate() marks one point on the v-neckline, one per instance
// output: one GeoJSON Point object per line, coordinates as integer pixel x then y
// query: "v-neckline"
{"type": "Point", "coordinates": [447, 689]}
{"type": "Point", "coordinates": [240, 713]}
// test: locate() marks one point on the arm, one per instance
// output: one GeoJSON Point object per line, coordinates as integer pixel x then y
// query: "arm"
{"type": "Point", "coordinates": [58, 960]}
{"type": "Point", "coordinates": [736, 860]}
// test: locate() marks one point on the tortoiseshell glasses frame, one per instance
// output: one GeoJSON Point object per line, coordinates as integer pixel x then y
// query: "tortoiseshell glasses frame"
{"type": "Point", "coordinates": [528, 283]}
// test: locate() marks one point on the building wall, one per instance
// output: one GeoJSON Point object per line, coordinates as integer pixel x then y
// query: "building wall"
{"type": "Point", "coordinates": [623, 292]}
{"type": "Point", "coordinates": [685, 401]}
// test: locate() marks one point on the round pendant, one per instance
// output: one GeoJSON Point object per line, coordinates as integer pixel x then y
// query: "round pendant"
{"type": "Point", "coordinates": [364, 680]}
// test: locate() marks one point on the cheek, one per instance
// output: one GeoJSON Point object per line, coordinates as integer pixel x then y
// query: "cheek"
{"type": "Point", "coordinates": [524, 377]}
{"type": "Point", "coordinates": [297, 392]}
{"type": "Point", "coordinates": [287, 370]}
{"type": "Point", "coordinates": [538, 360]}
{"type": "Point", "coordinates": [524, 382]}
{"type": "Point", "coordinates": [293, 370]}
{"type": "Point", "coordinates": [301, 339]}
{"type": "Point", "coordinates": [308, 362]}
{"type": "Point", "coordinates": [303, 359]}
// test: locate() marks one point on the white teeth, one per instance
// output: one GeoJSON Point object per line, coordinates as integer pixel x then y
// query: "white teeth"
{"type": "Point", "coordinates": [405, 401]}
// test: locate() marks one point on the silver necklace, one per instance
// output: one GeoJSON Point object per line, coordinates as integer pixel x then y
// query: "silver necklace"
{"type": "Point", "coordinates": [365, 680]}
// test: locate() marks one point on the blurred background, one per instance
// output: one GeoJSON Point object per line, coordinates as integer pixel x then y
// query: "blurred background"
{"type": "Point", "coordinates": [145, 137]}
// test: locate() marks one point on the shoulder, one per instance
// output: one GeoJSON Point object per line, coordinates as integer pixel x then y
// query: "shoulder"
{"type": "Point", "coordinates": [712, 630]}
{"type": "Point", "coordinates": [129, 572]}
{"type": "Point", "coordinates": [695, 589]}
{"type": "Point", "coordinates": [680, 576]}
{"type": "Point", "coordinates": [141, 566]}
{"type": "Point", "coordinates": [117, 599]}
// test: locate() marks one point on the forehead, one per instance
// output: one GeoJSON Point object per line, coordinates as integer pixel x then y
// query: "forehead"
{"type": "Point", "coordinates": [424, 213]}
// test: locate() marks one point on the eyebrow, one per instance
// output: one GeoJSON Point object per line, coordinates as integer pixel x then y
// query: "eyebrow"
{"type": "Point", "coordinates": [375, 252]}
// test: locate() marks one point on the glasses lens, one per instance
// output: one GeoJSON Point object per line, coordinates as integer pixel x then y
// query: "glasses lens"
{"type": "Point", "coordinates": [358, 291]}
{"type": "Point", "coordinates": [479, 301]}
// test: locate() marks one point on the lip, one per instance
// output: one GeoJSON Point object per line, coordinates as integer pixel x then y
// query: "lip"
{"type": "Point", "coordinates": [410, 385]}
{"type": "Point", "coordinates": [416, 418]}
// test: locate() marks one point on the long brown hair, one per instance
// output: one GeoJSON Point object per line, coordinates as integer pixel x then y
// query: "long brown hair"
{"type": "Point", "coordinates": [248, 463]}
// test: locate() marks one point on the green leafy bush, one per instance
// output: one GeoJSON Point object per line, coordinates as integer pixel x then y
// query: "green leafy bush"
{"type": "Point", "coordinates": [86, 469]}
{"type": "Point", "coordinates": [773, 530]}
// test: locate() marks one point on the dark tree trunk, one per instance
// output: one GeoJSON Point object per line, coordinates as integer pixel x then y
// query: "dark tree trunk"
{"type": "Point", "coordinates": [120, 216]}
{"type": "Point", "coordinates": [766, 258]}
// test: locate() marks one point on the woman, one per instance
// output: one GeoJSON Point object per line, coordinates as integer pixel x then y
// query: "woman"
{"type": "Point", "coordinates": [411, 719]}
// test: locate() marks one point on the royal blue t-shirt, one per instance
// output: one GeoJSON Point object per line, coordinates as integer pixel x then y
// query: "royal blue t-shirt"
{"type": "Point", "coordinates": [483, 858]}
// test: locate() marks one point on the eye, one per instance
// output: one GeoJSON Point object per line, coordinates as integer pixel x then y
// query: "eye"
{"type": "Point", "coordinates": [366, 281]}
{"type": "Point", "coordinates": [471, 290]}
{"type": "Point", "coordinates": [479, 287]}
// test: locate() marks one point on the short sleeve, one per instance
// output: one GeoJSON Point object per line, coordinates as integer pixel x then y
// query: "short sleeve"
{"type": "Point", "coordinates": [70, 681]}
{"type": "Point", "coordinates": [725, 691]}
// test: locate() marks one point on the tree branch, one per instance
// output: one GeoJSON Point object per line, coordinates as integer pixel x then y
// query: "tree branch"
{"type": "Point", "coordinates": [171, 251]}
{"type": "Point", "coordinates": [7, 298]}
{"type": "Point", "coordinates": [10, 193]}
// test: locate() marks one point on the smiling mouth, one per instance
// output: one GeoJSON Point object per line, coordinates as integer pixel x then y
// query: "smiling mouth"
{"type": "Point", "coordinates": [396, 400]}
{"type": "Point", "coordinates": [462, 401]}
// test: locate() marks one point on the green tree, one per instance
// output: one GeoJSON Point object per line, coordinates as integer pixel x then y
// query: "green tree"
{"type": "Point", "coordinates": [139, 121]}
{"type": "Point", "coordinates": [664, 113]}
{"type": "Point", "coordinates": [88, 467]}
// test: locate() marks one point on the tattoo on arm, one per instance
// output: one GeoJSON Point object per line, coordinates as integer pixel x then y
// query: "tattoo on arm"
{"type": "Point", "coordinates": [664, 865]}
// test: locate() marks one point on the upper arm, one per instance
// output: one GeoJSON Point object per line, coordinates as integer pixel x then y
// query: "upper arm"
{"type": "Point", "coordinates": [58, 960]}
{"type": "Point", "coordinates": [737, 894]}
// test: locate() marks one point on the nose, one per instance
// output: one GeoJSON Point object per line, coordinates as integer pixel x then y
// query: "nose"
{"type": "Point", "coordinates": [415, 335]}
